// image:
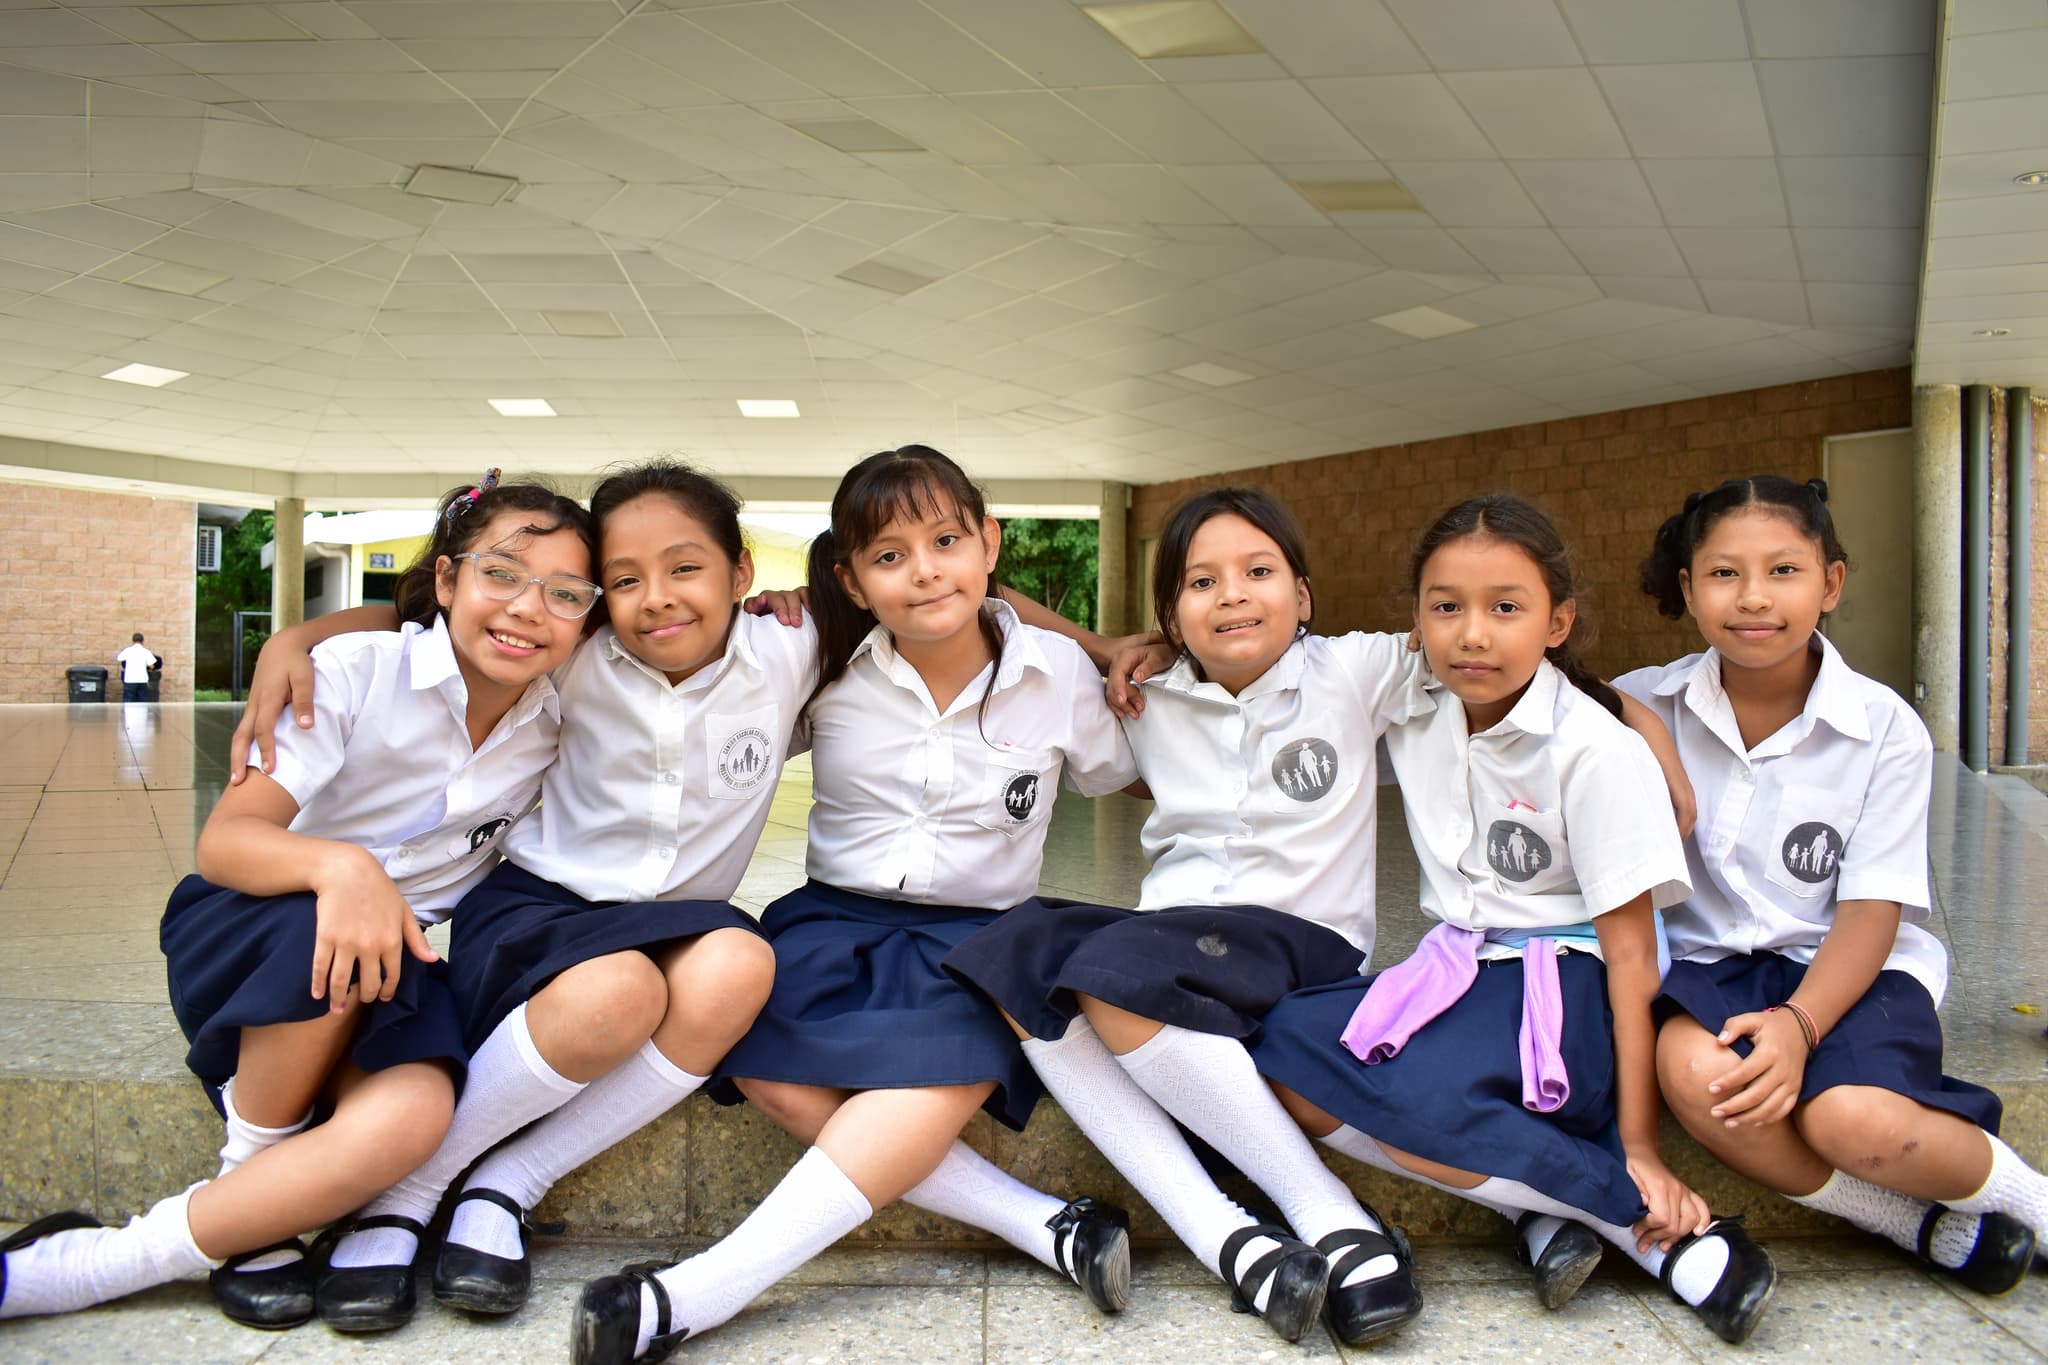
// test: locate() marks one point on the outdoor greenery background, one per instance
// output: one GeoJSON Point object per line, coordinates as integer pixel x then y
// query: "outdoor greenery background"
{"type": "Point", "coordinates": [1055, 562]}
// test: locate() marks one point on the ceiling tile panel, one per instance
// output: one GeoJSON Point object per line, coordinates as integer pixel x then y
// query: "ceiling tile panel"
{"type": "Point", "coordinates": [1277, 120]}
{"type": "Point", "coordinates": [1718, 192]}
{"type": "Point", "coordinates": [1460, 35]}
{"type": "Point", "coordinates": [1049, 40]}
{"type": "Point", "coordinates": [1643, 31]}
{"type": "Point", "coordinates": [1540, 113]}
{"type": "Point", "coordinates": [1831, 28]}
{"type": "Point", "coordinates": [1688, 109]}
{"type": "Point", "coordinates": [1589, 193]}
{"type": "Point", "coordinates": [1404, 118]}
{"type": "Point", "coordinates": [1331, 37]}
{"type": "Point", "coordinates": [1468, 193]}
{"type": "Point", "coordinates": [909, 38]}
{"type": "Point", "coordinates": [1865, 106]}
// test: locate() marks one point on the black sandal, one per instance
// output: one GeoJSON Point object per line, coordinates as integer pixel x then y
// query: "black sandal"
{"type": "Point", "coordinates": [1566, 1264]}
{"type": "Point", "coordinates": [1098, 1254]}
{"type": "Point", "coordinates": [606, 1324]}
{"type": "Point", "coordinates": [1296, 1273]}
{"type": "Point", "coordinates": [272, 1299]}
{"type": "Point", "coordinates": [477, 1281]}
{"type": "Point", "coordinates": [49, 1225]}
{"type": "Point", "coordinates": [1373, 1308]}
{"type": "Point", "coordinates": [2000, 1260]}
{"type": "Point", "coordinates": [1743, 1292]}
{"type": "Point", "coordinates": [367, 1298]}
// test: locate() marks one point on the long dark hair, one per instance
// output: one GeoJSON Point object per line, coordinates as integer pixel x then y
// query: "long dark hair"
{"type": "Point", "coordinates": [1513, 521]}
{"type": "Point", "coordinates": [1805, 505]}
{"type": "Point", "coordinates": [460, 520]}
{"type": "Point", "coordinates": [910, 483]}
{"type": "Point", "coordinates": [1260, 508]}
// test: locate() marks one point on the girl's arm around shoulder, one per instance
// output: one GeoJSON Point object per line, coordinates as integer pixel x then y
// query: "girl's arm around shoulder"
{"type": "Point", "coordinates": [1678, 787]}
{"type": "Point", "coordinates": [1624, 839]}
{"type": "Point", "coordinates": [284, 678]}
{"type": "Point", "coordinates": [1387, 671]}
{"type": "Point", "coordinates": [1096, 751]}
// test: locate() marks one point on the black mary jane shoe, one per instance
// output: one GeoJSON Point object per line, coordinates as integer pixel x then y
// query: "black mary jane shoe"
{"type": "Point", "coordinates": [476, 1281]}
{"type": "Point", "coordinates": [1299, 1274]}
{"type": "Point", "coordinates": [1097, 1256]}
{"type": "Point", "coordinates": [606, 1323]}
{"type": "Point", "coordinates": [272, 1299]}
{"type": "Point", "coordinates": [1372, 1308]}
{"type": "Point", "coordinates": [1997, 1264]}
{"type": "Point", "coordinates": [49, 1225]}
{"type": "Point", "coordinates": [1744, 1291]}
{"type": "Point", "coordinates": [1573, 1254]}
{"type": "Point", "coordinates": [367, 1298]}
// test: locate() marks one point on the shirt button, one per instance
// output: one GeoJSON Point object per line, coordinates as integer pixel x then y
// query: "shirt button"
{"type": "Point", "coordinates": [664, 852]}
{"type": "Point", "coordinates": [670, 778]}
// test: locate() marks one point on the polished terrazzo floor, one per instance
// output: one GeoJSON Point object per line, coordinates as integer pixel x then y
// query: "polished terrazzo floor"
{"type": "Point", "coordinates": [98, 809]}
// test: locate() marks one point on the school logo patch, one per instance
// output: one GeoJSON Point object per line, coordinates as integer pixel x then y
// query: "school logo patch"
{"type": "Point", "coordinates": [1811, 851]}
{"type": "Point", "coordinates": [746, 759]}
{"type": "Point", "coordinates": [487, 831]}
{"type": "Point", "coordinates": [1020, 796]}
{"type": "Point", "coordinates": [1515, 851]}
{"type": "Point", "coordinates": [1306, 768]}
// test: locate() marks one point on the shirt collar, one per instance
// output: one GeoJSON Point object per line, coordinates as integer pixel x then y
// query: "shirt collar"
{"type": "Point", "coordinates": [739, 650]}
{"type": "Point", "coordinates": [1535, 711]}
{"type": "Point", "coordinates": [1020, 649]}
{"type": "Point", "coordinates": [1832, 698]}
{"type": "Point", "coordinates": [1185, 678]}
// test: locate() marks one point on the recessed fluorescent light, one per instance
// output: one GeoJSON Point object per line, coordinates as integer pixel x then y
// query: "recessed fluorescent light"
{"type": "Point", "coordinates": [1358, 196]}
{"type": "Point", "coordinates": [149, 376]}
{"type": "Point", "coordinates": [768, 407]}
{"type": "Point", "coordinates": [1175, 28]}
{"type": "Point", "coordinates": [1424, 324]}
{"type": "Point", "coordinates": [1215, 376]}
{"type": "Point", "coordinates": [523, 407]}
{"type": "Point", "coordinates": [880, 275]}
{"type": "Point", "coordinates": [858, 135]}
{"type": "Point", "coordinates": [2031, 178]}
{"type": "Point", "coordinates": [461, 187]}
{"type": "Point", "coordinates": [576, 323]}
{"type": "Point", "coordinates": [167, 277]}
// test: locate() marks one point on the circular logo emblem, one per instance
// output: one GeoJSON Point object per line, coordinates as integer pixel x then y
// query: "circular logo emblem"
{"type": "Point", "coordinates": [1306, 768]}
{"type": "Point", "coordinates": [1515, 851]}
{"type": "Point", "coordinates": [746, 759]}
{"type": "Point", "coordinates": [1811, 851]}
{"type": "Point", "coordinates": [1020, 796]}
{"type": "Point", "coordinates": [480, 836]}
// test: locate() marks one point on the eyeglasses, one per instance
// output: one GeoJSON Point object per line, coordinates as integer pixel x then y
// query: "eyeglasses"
{"type": "Point", "coordinates": [503, 578]}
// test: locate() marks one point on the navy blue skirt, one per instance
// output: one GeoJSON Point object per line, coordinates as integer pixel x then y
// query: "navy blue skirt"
{"type": "Point", "coordinates": [1210, 968]}
{"type": "Point", "coordinates": [1016, 960]}
{"type": "Point", "coordinates": [237, 961]}
{"type": "Point", "coordinates": [516, 932]}
{"type": "Point", "coordinates": [862, 1002]}
{"type": "Point", "coordinates": [1890, 1039]}
{"type": "Point", "coordinates": [1454, 1093]}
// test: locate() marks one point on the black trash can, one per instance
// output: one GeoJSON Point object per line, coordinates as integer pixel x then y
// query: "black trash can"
{"type": "Point", "coordinates": [85, 682]}
{"type": "Point", "coordinates": [156, 679]}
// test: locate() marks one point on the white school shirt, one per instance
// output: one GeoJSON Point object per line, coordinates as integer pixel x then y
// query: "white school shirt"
{"type": "Point", "coordinates": [135, 661]}
{"type": "Point", "coordinates": [1831, 807]}
{"type": "Point", "coordinates": [662, 788]}
{"type": "Point", "coordinates": [1556, 814]}
{"type": "Point", "coordinates": [388, 764]}
{"type": "Point", "coordinates": [1268, 797]}
{"type": "Point", "coordinates": [950, 807]}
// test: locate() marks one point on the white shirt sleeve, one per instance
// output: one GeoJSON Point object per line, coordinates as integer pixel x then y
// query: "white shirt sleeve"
{"type": "Point", "coordinates": [1098, 753]}
{"type": "Point", "coordinates": [1390, 678]}
{"type": "Point", "coordinates": [307, 760]}
{"type": "Point", "coordinates": [1624, 839]}
{"type": "Point", "coordinates": [1886, 856]}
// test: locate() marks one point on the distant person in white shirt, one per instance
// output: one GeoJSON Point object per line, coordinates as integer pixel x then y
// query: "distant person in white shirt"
{"type": "Point", "coordinates": [136, 661]}
{"type": "Point", "coordinates": [298, 965]}
{"type": "Point", "coordinates": [1800, 1042]}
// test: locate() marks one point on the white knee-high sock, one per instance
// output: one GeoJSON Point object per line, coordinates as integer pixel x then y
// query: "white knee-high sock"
{"type": "Point", "coordinates": [1535, 1235]}
{"type": "Point", "coordinates": [973, 1189]}
{"type": "Point", "coordinates": [1700, 1263]}
{"type": "Point", "coordinates": [610, 1109]}
{"type": "Point", "coordinates": [1894, 1216]}
{"type": "Point", "coordinates": [246, 1139]}
{"type": "Point", "coordinates": [814, 1206]}
{"type": "Point", "coordinates": [1140, 1139]}
{"type": "Point", "coordinates": [2013, 1187]}
{"type": "Point", "coordinates": [72, 1270]}
{"type": "Point", "coordinates": [510, 1085]}
{"type": "Point", "coordinates": [1209, 1083]}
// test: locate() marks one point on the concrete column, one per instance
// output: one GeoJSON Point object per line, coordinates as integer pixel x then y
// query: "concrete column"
{"type": "Point", "coordinates": [288, 565]}
{"type": "Point", "coordinates": [1938, 561]}
{"type": "Point", "coordinates": [1113, 561]}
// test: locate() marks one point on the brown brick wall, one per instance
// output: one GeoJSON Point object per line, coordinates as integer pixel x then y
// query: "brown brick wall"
{"type": "Point", "coordinates": [84, 571]}
{"type": "Point", "coordinates": [1608, 481]}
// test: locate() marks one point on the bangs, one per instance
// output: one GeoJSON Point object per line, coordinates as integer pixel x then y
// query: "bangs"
{"type": "Point", "coordinates": [903, 490]}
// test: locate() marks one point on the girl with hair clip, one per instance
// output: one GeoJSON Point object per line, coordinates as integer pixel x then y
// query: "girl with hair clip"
{"type": "Point", "coordinates": [941, 726]}
{"type": "Point", "coordinates": [1799, 1041]}
{"type": "Point", "coordinates": [600, 970]}
{"type": "Point", "coordinates": [287, 953]}
{"type": "Point", "coordinates": [1511, 1058]}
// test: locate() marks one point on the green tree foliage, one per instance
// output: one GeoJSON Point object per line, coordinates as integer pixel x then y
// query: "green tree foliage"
{"type": "Point", "coordinates": [242, 584]}
{"type": "Point", "coordinates": [1053, 561]}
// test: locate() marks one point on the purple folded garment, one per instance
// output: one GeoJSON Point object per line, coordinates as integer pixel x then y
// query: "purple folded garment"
{"type": "Point", "coordinates": [1405, 997]}
{"type": "Point", "coordinates": [1545, 1086]}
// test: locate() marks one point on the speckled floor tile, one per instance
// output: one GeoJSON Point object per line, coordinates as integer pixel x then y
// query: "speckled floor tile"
{"type": "Point", "coordinates": [1857, 1318]}
{"type": "Point", "coordinates": [2024, 1312]}
{"type": "Point", "coordinates": [70, 1037]}
{"type": "Point", "coordinates": [556, 1258]}
{"type": "Point", "coordinates": [1480, 1322]}
{"type": "Point", "coordinates": [1164, 1323]}
{"type": "Point", "coordinates": [855, 1325]}
{"type": "Point", "coordinates": [172, 1323]}
{"type": "Point", "coordinates": [131, 982]}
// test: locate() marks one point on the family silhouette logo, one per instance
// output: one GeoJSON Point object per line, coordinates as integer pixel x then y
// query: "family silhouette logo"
{"type": "Point", "coordinates": [1306, 768]}
{"type": "Point", "coordinates": [1515, 851]}
{"type": "Point", "coordinates": [1020, 796]}
{"type": "Point", "coordinates": [746, 759]}
{"type": "Point", "coordinates": [487, 831]}
{"type": "Point", "coordinates": [1811, 851]}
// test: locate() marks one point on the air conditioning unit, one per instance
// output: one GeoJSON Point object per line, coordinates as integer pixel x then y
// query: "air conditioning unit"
{"type": "Point", "coordinates": [209, 549]}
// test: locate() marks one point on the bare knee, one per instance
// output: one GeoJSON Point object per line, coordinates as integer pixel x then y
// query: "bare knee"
{"type": "Point", "coordinates": [598, 1010]}
{"type": "Point", "coordinates": [1859, 1129]}
{"type": "Point", "coordinates": [1688, 1060]}
{"type": "Point", "coordinates": [726, 974]}
{"type": "Point", "coordinates": [798, 1110]}
{"type": "Point", "coordinates": [396, 1119]}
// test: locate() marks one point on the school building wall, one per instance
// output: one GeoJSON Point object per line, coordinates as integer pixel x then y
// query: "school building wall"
{"type": "Point", "coordinates": [2001, 501]}
{"type": "Point", "coordinates": [84, 571]}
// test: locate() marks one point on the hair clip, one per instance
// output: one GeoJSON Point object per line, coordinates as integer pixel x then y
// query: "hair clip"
{"type": "Point", "coordinates": [1819, 488]}
{"type": "Point", "coordinates": [464, 501]}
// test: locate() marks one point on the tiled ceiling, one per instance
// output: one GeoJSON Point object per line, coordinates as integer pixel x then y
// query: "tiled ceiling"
{"type": "Point", "coordinates": [979, 223]}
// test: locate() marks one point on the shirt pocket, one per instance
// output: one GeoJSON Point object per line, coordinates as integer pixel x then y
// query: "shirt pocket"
{"type": "Point", "coordinates": [1304, 775]}
{"type": "Point", "coordinates": [1525, 848]}
{"type": "Point", "coordinates": [466, 840]}
{"type": "Point", "coordinates": [1811, 828]}
{"type": "Point", "coordinates": [1017, 789]}
{"type": "Point", "coordinates": [743, 753]}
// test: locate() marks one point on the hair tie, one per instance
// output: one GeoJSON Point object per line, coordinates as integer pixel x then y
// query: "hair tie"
{"type": "Point", "coordinates": [464, 501]}
{"type": "Point", "coordinates": [1819, 488]}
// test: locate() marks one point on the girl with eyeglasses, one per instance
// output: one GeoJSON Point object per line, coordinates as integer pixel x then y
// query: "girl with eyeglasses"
{"type": "Point", "coordinates": [298, 966]}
